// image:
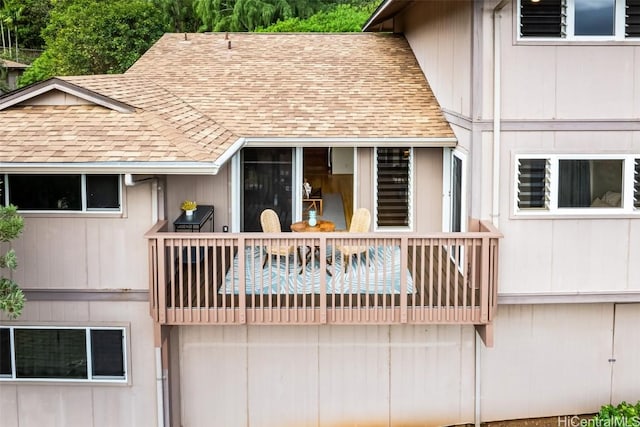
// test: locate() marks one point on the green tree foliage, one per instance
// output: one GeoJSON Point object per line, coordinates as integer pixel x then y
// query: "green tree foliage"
{"type": "Point", "coordinates": [247, 15]}
{"type": "Point", "coordinates": [179, 15]}
{"type": "Point", "coordinates": [25, 19]}
{"type": "Point", "coordinates": [95, 37]}
{"type": "Point", "coordinates": [343, 18]}
{"type": "Point", "coordinates": [11, 297]}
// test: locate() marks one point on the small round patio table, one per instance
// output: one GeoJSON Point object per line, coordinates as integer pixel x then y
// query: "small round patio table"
{"type": "Point", "coordinates": [322, 225]}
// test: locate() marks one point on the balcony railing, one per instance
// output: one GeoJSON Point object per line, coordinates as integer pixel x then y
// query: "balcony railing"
{"type": "Point", "coordinates": [228, 278]}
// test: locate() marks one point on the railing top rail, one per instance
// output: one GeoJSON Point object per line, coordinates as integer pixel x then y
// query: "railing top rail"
{"type": "Point", "coordinates": [157, 232]}
{"type": "Point", "coordinates": [156, 229]}
{"type": "Point", "coordinates": [490, 228]}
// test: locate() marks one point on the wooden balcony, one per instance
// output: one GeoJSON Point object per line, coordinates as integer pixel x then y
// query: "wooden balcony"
{"type": "Point", "coordinates": [224, 278]}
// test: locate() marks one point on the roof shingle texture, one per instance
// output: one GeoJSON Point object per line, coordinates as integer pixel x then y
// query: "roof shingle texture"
{"type": "Point", "coordinates": [195, 98]}
{"type": "Point", "coordinates": [299, 85]}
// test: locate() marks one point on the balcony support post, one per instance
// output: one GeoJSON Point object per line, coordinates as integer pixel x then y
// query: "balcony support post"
{"type": "Point", "coordinates": [486, 334]}
{"type": "Point", "coordinates": [484, 281]}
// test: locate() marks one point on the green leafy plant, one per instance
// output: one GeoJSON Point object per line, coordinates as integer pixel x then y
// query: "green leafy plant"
{"type": "Point", "coordinates": [623, 415]}
{"type": "Point", "coordinates": [11, 296]}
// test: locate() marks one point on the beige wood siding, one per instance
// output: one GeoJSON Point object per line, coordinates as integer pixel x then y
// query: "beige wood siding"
{"type": "Point", "coordinates": [56, 97]}
{"type": "Point", "coordinates": [86, 250]}
{"type": "Point", "coordinates": [439, 33]}
{"type": "Point", "coordinates": [205, 190]}
{"type": "Point", "coordinates": [626, 352]}
{"type": "Point", "coordinates": [547, 360]}
{"type": "Point", "coordinates": [427, 189]}
{"type": "Point", "coordinates": [290, 375]}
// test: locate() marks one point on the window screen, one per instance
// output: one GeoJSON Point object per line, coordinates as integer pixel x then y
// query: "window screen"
{"type": "Point", "coordinates": [103, 192]}
{"type": "Point", "coordinates": [51, 353]}
{"type": "Point", "coordinates": [107, 353]}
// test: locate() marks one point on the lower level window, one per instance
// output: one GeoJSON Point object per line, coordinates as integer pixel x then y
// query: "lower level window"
{"type": "Point", "coordinates": [81, 354]}
{"type": "Point", "coordinates": [585, 184]}
{"type": "Point", "coordinates": [40, 192]}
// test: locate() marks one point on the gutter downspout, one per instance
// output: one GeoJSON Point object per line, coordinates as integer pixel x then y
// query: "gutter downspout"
{"type": "Point", "coordinates": [495, 179]}
{"type": "Point", "coordinates": [161, 392]}
{"type": "Point", "coordinates": [497, 107]}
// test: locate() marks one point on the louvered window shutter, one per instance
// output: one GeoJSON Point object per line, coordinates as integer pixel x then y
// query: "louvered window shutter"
{"type": "Point", "coordinates": [632, 18]}
{"type": "Point", "coordinates": [543, 18]}
{"type": "Point", "coordinates": [533, 183]}
{"type": "Point", "coordinates": [636, 185]}
{"type": "Point", "coordinates": [393, 187]}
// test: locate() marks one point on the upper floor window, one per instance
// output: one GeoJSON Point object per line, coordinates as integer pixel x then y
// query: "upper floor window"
{"type": "Point", "coordinates": [63, 354]}
{"type": "Point", "coordinates": [577, 184]}
{"type": "Point", "coordinates": [393, 187]}
{"type": "Point", "coordinates": [579, 19]}
{"type": "Point", "coordinates": [39, 192]}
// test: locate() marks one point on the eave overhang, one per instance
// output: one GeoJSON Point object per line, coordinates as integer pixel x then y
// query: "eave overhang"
{"type": "Point", "coordinates": [382, 18]}
{"type": "Point", "coordinates": [213, 167]}
{"type": "Point", "coordinates": [149, 168]}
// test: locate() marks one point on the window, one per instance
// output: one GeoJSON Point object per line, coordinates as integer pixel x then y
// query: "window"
{"type": "Point", "coordinates": [577, 184]}
{"type": "Point", "coordinates": [579, 19]}
{"type": "Point", "coordinates": [533, 183]}
{"type": "Point", "coordinates": [62, 354]}
{"type": "Point", "coordinates": [636, 185]}
{"type": "Point", "coordinates": [78, 193]}
{"type": "Point", "coordinates": [393, 187]}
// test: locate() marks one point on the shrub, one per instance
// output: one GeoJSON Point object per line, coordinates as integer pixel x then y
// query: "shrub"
{"type": "Point", "coordinates": [623, 415]}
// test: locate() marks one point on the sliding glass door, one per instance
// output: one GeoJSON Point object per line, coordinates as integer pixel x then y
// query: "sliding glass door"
{"type": "Point", "coordinates": [266, 183]}
{"type": "Point", "coordinates": [454, 217]}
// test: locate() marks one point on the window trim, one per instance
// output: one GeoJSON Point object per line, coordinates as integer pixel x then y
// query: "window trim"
{"type": "Point", "coordinates": [90, 377]}
{"type": "Point", "coordinates": [410, 190]}
{"type": "Point", "coordinates": [569, 36]}
{"type": "Point", "coordinates": [83, 195]}
{"type": "Point", "coordinates": [628, 171]}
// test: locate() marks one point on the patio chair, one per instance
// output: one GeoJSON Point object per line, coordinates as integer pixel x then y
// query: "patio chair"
{"type": "Point", "coordinates": [270, 223]}
{"type": "Point", "coordinates": [360, 222]}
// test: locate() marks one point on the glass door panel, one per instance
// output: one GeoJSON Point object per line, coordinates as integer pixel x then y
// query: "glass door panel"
{"type": "Point", "coordinates": [266, 176]}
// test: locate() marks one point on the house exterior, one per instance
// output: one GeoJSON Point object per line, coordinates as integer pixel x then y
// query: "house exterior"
{"type": "Point", "coordinates": [430, 127]}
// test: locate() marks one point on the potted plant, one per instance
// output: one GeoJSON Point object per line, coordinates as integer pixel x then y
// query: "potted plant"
{"type": "Point", "coordinates": [188, 206]}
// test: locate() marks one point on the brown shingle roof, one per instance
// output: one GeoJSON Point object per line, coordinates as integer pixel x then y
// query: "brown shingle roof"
{"type": "Point", "coordinates": [88, 133]}
{"type": "Point", "coordinates": [299, 85]}
{"type": "Point", "coordinates": [193, 99]}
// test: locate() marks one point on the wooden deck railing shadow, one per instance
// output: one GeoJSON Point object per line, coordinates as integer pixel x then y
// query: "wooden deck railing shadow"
{"type": "Point", "coordinates": [218, 278]}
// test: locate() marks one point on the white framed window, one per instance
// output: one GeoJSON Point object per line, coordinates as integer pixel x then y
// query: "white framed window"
{"type": "Point", "coordinates": [393, 188]}
{"type": "Point", "coordinates": [577, 184]}
{"type": "Point", "coordinates": [593, 20]}
{"type": "Point", "coordinates": [63, 192]}
{"type": "Point", "coordinates": [67, 354]}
